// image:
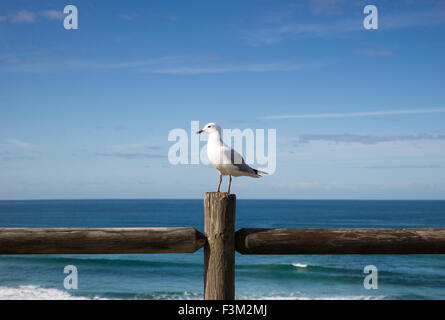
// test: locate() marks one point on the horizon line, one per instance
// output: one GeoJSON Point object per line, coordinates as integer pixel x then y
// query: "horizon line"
{"type": "Point", "coordinates": [268, 199]}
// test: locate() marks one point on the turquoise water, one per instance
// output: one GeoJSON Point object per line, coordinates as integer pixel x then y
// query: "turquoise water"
{"type": "Point", "coordinates": [180, 276]}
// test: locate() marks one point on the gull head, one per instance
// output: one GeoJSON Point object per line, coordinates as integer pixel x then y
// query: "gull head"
{"type": "Point", "coordinates": [210, 128]}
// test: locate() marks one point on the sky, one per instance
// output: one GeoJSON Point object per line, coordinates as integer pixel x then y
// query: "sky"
{"type": "Point", "coordinates": [86, 113]}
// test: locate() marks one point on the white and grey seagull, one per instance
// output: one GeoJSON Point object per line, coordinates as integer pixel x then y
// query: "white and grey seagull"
{"type": "Point", "coordinates": [226, 160]}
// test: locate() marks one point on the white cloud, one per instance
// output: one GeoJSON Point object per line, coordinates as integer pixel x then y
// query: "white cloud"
{"type": "Point", "coordinates": [227, 69]}
{"type": "Point", "coordinates": [325, 6]}
{"type": "Point", "coordinates": [366, 138]}
{"type": "Point", "coordinates": [355, 114]}
{"type": "Point", "coordinates": [265, 33]}
{"type": "Point", "coordinates": [52, 14]}
{"type": "Point", "coordinates": [170, 65]}
{"type": "Point", "coordinates": [131, 156]}
{"type": "Point", "coordinates": [380, 53]}
{"type": "Point", "coordinates": [26, 16]}
{"type": "Point", "coordinates": [366, 148]}
{"type": "Point", "coordinates": [20, 144]}
{"type": "Point", "coordinates": [128, 16]}
{"type": "Point", "coordinates": [23, 16]}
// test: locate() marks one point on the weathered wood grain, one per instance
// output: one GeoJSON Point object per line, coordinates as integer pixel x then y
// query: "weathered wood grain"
{"type": "Point", "coordinates": [219, 251]}
{"type": "Point", "coordinates": [341, 241]}
{"type": "Point", "coordinates": [99, 240]}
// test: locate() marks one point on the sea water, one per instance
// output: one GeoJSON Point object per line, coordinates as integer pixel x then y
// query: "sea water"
{"type": "Point", "coordinates": [180, 276]}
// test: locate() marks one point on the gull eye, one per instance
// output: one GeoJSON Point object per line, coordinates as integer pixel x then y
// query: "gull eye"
{"type": "Point", "coordinates": [208, 126]}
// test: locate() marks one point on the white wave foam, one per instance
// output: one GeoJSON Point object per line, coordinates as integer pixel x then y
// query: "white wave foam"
{"type": "Point", "coordinates": [32, 292]}
{"type": "Point", "coordinates": [299, 265]}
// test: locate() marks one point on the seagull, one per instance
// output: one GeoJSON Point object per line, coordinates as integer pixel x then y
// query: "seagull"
{"type": "Point", "coordinates": [226, 160]}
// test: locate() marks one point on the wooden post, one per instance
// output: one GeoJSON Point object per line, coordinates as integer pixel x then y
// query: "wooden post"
{"type": "Point", "coordinates": [219, 251]}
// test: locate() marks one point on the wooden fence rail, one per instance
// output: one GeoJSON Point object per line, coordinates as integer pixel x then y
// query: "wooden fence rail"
{"type": "Point", "coordinates": [341, 241]}
{"type": "Point", "coordinates": [220, 242]}
{"type": "Point", "coordinates": [99, 240]}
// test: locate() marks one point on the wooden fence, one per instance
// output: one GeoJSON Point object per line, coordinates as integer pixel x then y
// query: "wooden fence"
{"type": "Point", "coordinates": [220, 242]}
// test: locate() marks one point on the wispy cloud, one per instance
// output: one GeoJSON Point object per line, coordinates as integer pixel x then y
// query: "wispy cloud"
{"type": "Point", "coordinates": [17, 150]}
{"type": "Point", "coordinates": [131, 156]}
{"type": "Point", "coordinates": [52, 14]}
{"type": "Point", "coordinates": [20, 144]}
{"type": "Point", "coordinates": [355, 114]}
{"type": "Point", "coordinates": [278, 33]}
{"type": "Point", "coordinates": [326, 7]}
{"type": "Point", "coordinates": [267, 33]}
{"type": "Point", "coordinates": [128, 16]}
{"type": "Point", "coordinates": [14, 157]}
{"type": "Point", "coordinates": [150, 15]}
{"type": "Point", "coordinates": [26, 16]}
{"type": "Point", "coordinates": [47, 62]}
{"type": "Point", "coordinates": [404, 166]}
{"type": "Point", "coordinates": [193, 70]}
{"type": "Point", "coordinates": [22, 16]}
{"type": "Point", "coordinates": [380, 53]}
{"type": "Point", "coordinates": [147, 146]}
{"type": "Point", "coordinates": [365, 138]}
{"type": "Point", "coordinates": [168, 65]}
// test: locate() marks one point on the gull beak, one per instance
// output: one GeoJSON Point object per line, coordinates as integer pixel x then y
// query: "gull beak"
{"type": "Point", "coordinates": [200, 131]}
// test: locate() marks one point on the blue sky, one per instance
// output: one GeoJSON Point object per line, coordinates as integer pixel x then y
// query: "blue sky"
{"type": "Point", "coordinates": [86, 113]}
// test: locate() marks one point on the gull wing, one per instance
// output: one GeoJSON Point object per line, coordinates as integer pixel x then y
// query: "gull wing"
{"type": "Point", "coordinates": [239, 165]}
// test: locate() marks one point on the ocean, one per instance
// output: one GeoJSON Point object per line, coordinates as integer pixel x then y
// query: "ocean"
{"type": "Point", "coordinates": [180, 276]}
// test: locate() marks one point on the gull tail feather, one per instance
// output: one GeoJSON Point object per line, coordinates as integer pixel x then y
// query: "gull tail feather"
{"type": "Point", "coordinates": [259, 172]}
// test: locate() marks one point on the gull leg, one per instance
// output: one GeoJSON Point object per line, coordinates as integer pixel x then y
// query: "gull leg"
{"type": "Point", "coordinates": [219, 185]}
{"type": "Point", "coordinates": [230, 182]}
